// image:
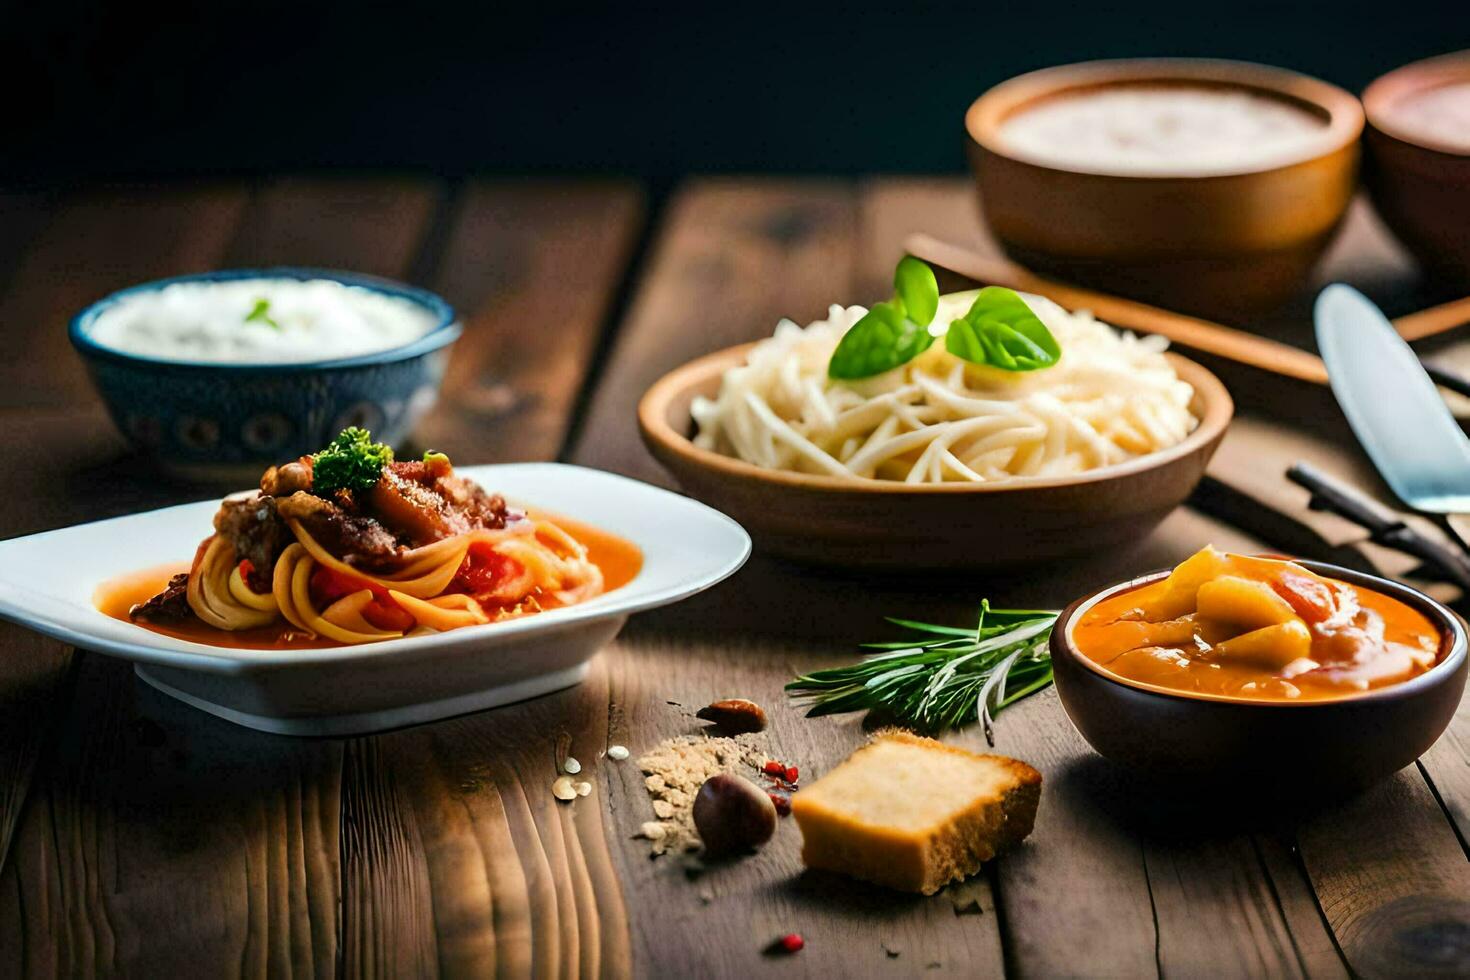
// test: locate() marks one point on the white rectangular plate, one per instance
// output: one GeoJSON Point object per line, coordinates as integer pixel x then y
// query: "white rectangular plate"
{"type": "Point", "coordinates": [47, 583]}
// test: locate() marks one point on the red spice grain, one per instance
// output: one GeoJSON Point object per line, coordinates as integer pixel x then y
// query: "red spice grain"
{"type": "Point", "coordinates": [792, 942]}
{"type": "Point", "coordinates": [774, 769]}
{"type": "Point", "coordinates": [792, 773]}
{"type": "Point", "coordinates": [782, 803]}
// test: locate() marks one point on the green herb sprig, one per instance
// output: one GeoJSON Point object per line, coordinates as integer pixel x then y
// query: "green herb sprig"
{"type": "Point", "coordinates": [892, 333]}
{"type": "Point", "coordinates": [945, 677]}
{"type": "Point", "coordinates": [261, 313]}
{"type": "Point", "coordinates": [352, 462]}
{"type": "Point", "coordinates": [999, 330]}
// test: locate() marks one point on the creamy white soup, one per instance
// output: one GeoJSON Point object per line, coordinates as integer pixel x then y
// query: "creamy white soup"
{"type": "Point", "coordinates": [1439, 115]}
{"type": "Point", "coordinates": [259, 321]}
{"type": "Point", "coordinates": [1163, 130]}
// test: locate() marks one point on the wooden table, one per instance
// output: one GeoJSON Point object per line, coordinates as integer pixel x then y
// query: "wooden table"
{"type": "Point", "coordinates": [140, 836]}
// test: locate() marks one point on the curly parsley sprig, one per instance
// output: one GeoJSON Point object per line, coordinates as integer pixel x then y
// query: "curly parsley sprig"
{"type": "Point", "coordinates": [352, 462]}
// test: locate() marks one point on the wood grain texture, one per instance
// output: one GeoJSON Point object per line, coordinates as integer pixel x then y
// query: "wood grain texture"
{"type": "Point", "coordinates": [1447, 767]}
{"type": "Point", "coordinates": [1392, 879]}
{"type": "Point", "coordinates": [147, 838]}
{"type": "Point", "coordinates": [160, 841]}
{"type": "Point", "coordinates": [374, 225]}
{"type": "Point", "coordinates": [144, 807]}
{"type": "Point", "coordinates": [95, 243]}
{"type": "Point", "coordinates": [457, 860]}
{"type": "Point", "coordinates": [33, 675]}
{"type": "Point", "coordinates": [533, 268]}
{"type": "Point", "coordinates": [731, 259]}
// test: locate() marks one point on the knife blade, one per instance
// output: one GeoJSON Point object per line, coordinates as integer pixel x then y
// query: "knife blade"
{"type": "Point", "coordinates": [1392, 404]}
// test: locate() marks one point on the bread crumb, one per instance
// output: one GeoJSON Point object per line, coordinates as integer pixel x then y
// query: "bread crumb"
{"type": "Point", "coordinates": [563, 789]}
{"type": "Point", "coordinates": [678, 766]}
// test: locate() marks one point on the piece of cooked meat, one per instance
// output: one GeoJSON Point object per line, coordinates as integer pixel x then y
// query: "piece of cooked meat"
{"type": "Point", "coordinates": [420, 504]}
{"type": "Point", "coordinates": [483, 509]}
{"type": "Point", "coordinates": [249, 522]}
{"type": "Point", "coordinates": [282, 481]}
{"type": "Point", "coordinates": [169, 606]}
{"type": "Point", "coordinates": [355, 539]}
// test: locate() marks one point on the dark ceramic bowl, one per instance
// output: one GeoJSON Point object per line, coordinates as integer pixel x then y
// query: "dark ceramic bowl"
{"type": "Point", "coordinates": [227, 422]}
{"type": "Point", "coordinates": [1314, 747]}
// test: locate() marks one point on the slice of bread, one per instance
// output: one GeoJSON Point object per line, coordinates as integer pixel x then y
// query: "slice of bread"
{"type": "Point", "coordinates": [915, 814]}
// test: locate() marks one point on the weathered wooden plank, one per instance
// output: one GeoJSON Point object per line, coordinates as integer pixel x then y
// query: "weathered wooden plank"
{"type": "Point", "coordinates": [161, 841]}
{"type": "Point", "coordinates": [52, 263]}
{"type": "Point", "coordinates": [1133, 888]}
{"type": "Point", "coordinates": [732, 259]}
{"type": "Point", "coordinates": [1447, 766]}
{"type": "Point", "coordinates": [456, 857]}
{"type": "Point", "coordinates": [93, 244]}
{"type": "Point", "coordinates": [533, 268]}
{"type": "Point", "coordinates": [1393, 881]}
{"type": "Point", "coordinates": [22, 216]}
{"type": "Point", "coordinates": [374, 225]}
{"type": "Point", "coordinates": [33, 672]}
{"type": "Point", "coordinates": [146, 807]}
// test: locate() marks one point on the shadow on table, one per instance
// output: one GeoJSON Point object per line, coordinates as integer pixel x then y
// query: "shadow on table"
{"type": "Point", "coordinates": [1179, 812]}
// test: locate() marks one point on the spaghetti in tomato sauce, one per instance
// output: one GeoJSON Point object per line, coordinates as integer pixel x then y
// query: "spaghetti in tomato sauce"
{"type": "Point", "coordinates": [351, 546]}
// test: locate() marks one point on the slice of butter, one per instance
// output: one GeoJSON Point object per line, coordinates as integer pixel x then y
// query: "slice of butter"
{"type": "Point", "coordinates": [915, 814]}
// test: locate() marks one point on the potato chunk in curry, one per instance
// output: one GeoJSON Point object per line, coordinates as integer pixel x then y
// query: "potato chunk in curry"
{"type": "Point", "coordinates": [1261, 628]}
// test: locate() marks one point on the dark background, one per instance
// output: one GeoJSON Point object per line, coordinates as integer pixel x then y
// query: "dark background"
{"type": "Point", "coordinates": [106, 90]}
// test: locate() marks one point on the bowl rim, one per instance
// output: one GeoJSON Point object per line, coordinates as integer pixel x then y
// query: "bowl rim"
{"type": "Point", "coordinates": [1451, 628]}
{"type": "Point", "coordinates": [1218, 410]}
{"type": "Point", "coordinates": [1416, 76]}
{"type": "Point", "coordinates": [1345, 116]}
{"type": "Point", "coordinates": [445, 331]}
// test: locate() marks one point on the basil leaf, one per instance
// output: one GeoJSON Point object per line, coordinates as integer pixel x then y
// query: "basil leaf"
{"type": "Point", "coordinates": [916, 286]}
{"type": "Point", "coordinates": [880, 341]}
{"type": "Point", "coordinates": [1001, 331]}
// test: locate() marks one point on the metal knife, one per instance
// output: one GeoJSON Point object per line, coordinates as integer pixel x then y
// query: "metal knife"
{"type": "Point", "coordinates": [1394, 408]}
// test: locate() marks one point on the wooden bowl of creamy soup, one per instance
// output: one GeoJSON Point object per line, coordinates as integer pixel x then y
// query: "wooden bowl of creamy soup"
{"type": "Point", "coordinates": [1418, 161]}
{"type": "Point", "coordinates": [1206, 186]}
{"type": "Point", "coordinates": [220, 374]}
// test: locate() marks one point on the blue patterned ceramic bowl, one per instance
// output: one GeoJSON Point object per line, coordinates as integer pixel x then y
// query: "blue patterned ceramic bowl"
{"type": "Point", "coordinates": [219, 422]}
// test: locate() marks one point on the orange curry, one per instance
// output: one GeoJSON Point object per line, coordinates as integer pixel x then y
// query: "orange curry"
{"type": "Point", "coordinates": [1258, 629]}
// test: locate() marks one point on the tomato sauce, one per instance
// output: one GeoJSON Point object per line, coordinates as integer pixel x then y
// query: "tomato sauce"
{"type": "Point", "coordinates": [619, 559]}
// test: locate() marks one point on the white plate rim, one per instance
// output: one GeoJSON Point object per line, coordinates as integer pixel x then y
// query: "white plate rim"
{"type": "Point", "coordinates": [156, 648]}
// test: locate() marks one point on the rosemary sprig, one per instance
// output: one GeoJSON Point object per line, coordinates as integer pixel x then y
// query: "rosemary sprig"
{"type": "Point", "coordinates": [945, 676]}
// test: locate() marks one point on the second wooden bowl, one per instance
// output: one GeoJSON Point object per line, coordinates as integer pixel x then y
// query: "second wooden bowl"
{"type": "Point", "coordinates": [886, 524]}
{"type": "Point", "coordinates": [1209, 243]}
{"type": "Point", "coordinates": [1420, 187]}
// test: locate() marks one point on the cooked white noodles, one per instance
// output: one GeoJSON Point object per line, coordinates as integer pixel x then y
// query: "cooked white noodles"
{"type": "Point", "coordinates": [1112, 396]}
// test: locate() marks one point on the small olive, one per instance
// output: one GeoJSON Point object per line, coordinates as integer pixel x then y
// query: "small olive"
{"type": "Point", "coordinates": [732, 814]}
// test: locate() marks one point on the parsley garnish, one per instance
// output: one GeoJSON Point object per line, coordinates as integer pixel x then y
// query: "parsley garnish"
{"type": "Point", "coordinates": [352, 462]}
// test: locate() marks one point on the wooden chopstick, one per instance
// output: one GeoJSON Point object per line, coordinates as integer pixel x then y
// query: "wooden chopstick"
{"type": "Point", "coordinates": [1435, 320]}
{"type": "Point", "coordinates": [1202, 335]}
